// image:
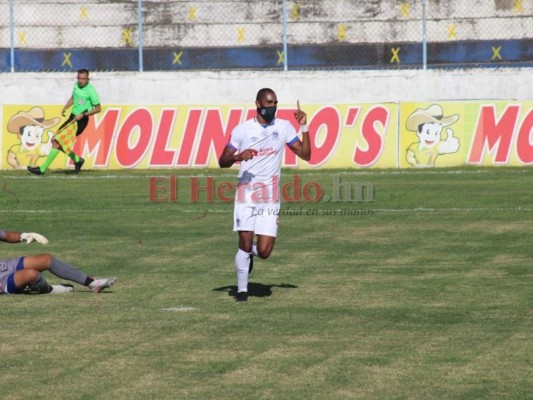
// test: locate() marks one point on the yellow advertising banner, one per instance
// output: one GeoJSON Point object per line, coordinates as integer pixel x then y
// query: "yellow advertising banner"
{"type": "Point", "coordinates": [359, 136]}
{"type": "Point", "coordinates": [192, 136]}
{"type": "Point", "coordinates": [445, 134]}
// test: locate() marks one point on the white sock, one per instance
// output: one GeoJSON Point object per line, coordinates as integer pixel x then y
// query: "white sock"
{"type": "Point", "coordinates": [254, 250]}
{"type": "Point", "coordinates": [242, 264]}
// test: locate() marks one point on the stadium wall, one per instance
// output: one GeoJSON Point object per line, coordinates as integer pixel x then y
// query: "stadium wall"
{"type": "Point", "coordinates": [205, 87]}
{"type": "Point", "coordinates": [177, 35]}
{"type": "Point", "coordinates": [359, 119]}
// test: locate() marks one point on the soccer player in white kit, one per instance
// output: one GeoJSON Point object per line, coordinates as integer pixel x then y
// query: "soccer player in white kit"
{"type": "Point", "coordinates": [258, 145]}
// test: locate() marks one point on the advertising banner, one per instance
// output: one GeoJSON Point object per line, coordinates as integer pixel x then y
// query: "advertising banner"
{"type": "Point", "coordinates": [445, 134]}
{"type": "Point", "coordinates": [380, 135]}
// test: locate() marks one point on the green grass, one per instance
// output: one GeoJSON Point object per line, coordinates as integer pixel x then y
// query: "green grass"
{"type": "Point", "coordinates": [423, 293]}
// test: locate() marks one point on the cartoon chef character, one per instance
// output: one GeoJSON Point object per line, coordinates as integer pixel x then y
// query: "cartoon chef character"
{"type": "Point", "coordinates": [428, 124]}
{"type": "Point", "coordinates": [29, 127]}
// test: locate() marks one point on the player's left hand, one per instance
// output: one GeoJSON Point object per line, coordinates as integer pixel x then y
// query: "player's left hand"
{"type": "Point", "coordinates": [300, 116]}
{"type": "Point", "coordinates": [248, 154]}
{"type": "Point", "coordinates": [31, 236]}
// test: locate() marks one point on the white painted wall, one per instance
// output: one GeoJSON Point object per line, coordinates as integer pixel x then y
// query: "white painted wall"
{"type": "Point", "coordinates": [318, 87]}
{"type": "Point", "coordinates": [52, 24]}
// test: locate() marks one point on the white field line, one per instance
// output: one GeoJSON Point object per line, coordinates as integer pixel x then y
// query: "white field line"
{"type": "Point", "coordinates": [180, 308]}
{"type": "Point", "coordinates": [288, 172]}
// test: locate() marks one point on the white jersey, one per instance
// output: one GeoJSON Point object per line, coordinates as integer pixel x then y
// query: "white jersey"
{"type": "Point", "coordinates": [269, 142]}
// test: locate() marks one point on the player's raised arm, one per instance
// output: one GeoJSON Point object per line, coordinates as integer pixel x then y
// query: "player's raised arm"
{"type": "Point", "coordinates": [302, 148]}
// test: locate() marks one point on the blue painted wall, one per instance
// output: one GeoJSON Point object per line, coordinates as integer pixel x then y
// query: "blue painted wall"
{"type": "Point", "coordinates": [492, 53]}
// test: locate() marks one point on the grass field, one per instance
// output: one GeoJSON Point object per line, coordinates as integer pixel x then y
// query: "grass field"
{"type": "Point", "coordinates": [422, 293]}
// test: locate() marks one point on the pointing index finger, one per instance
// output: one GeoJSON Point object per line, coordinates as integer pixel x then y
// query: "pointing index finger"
{"type": "Point", "coordinates": [298, 105]}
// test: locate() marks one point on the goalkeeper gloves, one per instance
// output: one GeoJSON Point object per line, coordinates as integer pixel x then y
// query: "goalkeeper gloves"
{"type": "Point", "coordinates": [30, 237]}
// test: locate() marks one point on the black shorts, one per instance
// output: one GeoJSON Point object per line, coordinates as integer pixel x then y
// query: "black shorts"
{"type": "Point", "coordinates": [82, 124]}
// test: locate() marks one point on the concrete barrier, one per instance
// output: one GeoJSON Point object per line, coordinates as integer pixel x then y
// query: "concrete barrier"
{"type": "Point", "coordinates": [318, 87]}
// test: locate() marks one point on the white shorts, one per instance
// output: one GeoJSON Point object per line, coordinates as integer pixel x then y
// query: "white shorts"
{"type": "Point", "coordinates": [261, 218]}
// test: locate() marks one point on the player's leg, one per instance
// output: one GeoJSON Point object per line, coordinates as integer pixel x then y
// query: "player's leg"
{"type": "Point", "coordinates": [264, 246]}
{"type": "Point", "coordinates": [61, 269]}
{"type": "Point", "coordinates": [19, 278]}
{"type": "Point", "coordinates": [242, 263]}
{"type": "Point", "coordinates": [54, 151]}
{"type": "Point", "coordinates": [79, 161]}
{"type": "Point", "coordinates": [62, 142]}
{"type": "Point", "coordinates": [245, 241]}
{"type": "Point", "coordinates": [244, 218]}
{"type": "Point", "coordinates": [266, 229]}
{"type": "Point", "coordinates": [27, 277]}
{"type": "Point", "coordinates": [82, 124]}
{"type": "Point", "coordinates": [33, 266]}
{"type": "Point", "coordinates": [66, 271]}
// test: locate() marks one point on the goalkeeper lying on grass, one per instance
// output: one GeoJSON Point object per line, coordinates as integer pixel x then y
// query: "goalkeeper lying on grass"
{"type": "Point", "coordinates": [23, 274]}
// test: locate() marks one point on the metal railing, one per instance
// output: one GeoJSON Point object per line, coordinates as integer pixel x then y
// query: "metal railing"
{"type": "Point", "coordinates": [137, 35]}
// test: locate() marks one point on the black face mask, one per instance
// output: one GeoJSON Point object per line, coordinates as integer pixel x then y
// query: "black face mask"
{"type": "Point", "coordinates": [268, 113]}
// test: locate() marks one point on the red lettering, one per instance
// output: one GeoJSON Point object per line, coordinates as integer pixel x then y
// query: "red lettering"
{"type": "Point", "coordinates": [351, 118]}
{"type": "Point", "coordinates": [209, 189]}
{"type": "Point", "coordinates": [222, 189]}
{"type": "Point", "coordinates": [154, 188]}
{"type": "Point", "coordinates": [275, 188]}
{"type": "Point", "coordinates": [493, 135]}
{"type": "Point", "coordinates": [524, 142]}
{"type": "Point", "coordinates": [374, 140]}
{"type": "Point", "coordinates": [139, 123]}
{"type": "Point", "coordinates": [173, 188]}
{"type": "Point", "coordinates": [214, 135]}
{"type": "Point", "coordinates": [241, 188]}
{"type": "Point", "coordinates": [187, 144]}
{"type": "Point", "coordinates": [161, 155]}
{"type": "Point", "coordinates": [291, 187]}
{"type": "Point", "coordinates": [98, 138]}
{"type": "Point", "coordinates": [260, 193]}
{"type": "Point", "coordinates": [324, 133]}
{"type": "Point", "coordinates": [251, 113]}
{"type": "Point", "coordinates": [309, 189]}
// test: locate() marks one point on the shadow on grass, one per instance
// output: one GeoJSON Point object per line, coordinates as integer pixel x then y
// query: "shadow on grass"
{"type": "Point", "coordinates": [255, 289]}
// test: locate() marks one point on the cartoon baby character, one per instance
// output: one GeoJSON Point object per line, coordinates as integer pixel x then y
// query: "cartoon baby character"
{"type": "Point", "coordinates": [29, 127]}
{"type": "Point", "coordinates": [428, 124]}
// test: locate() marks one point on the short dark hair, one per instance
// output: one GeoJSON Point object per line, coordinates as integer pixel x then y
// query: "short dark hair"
{"type": "Point", "coordinates": [262, 93]}
{"type": "Point", "coordinates": [83, 71]}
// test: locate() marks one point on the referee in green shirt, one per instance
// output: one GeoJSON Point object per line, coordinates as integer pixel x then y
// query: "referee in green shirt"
{"type": "Point", "coordinates": [85, 101]}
